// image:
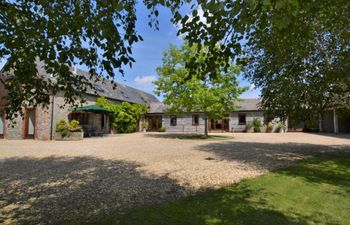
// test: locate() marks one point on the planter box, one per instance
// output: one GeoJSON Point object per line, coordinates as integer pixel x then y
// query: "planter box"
{"type": "Point", "coordinates": [71, 136]}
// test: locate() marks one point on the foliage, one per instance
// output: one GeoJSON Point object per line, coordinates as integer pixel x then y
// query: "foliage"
{"type": "Point", "coordinates": [248, 126]}
{"type": "Point", "coordinates": [184, 93]}
{"type": "Point", "coordinates": [290, 46]}
{"type": "Point", "coordinates": [274, 198]}
{"type": "Point", "coordinates": [125, 115]}
{"type": "Point", "coordinates": [74, 126]}
{"type": "Point", "coordinates": [144, 125]}
{"type": "Point", "coordinates": [257, 124]}
{"type": "Point", "coordinates": [62, 127]}
{"type": "Point", "coordinates": [97, 33]}
{"type": "Point", "coordinates": [162, 129]}
{"type": "Point", "coordinates": [281, 125]}
{"type": "Point", "coordinates": [269, 127]}
{"type": "Point", "coordinates": [301, 64]}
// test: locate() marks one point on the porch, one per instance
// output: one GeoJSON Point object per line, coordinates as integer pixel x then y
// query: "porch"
{"type": "Point", "coordinates": [94, 120]}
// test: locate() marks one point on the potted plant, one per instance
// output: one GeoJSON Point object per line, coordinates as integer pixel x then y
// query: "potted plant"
{"type": "Point", "coordinates": [70, 132]}
{"type": "Point", "coordinates": [249, 127]}
{"type": "Point", "coordinates": [144, 126]}
{"type": "Point", "coordinates": [281, 127]}
{"type": "Point", "coordinates": [161, 130]}
{"type": "Point", "coordinates": [257, 124]}
{"type": "Point", "coordinates": [269, 127]}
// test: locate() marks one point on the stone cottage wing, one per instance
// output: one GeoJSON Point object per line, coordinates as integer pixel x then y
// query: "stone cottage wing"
{"type": "Point", "coordinates": [105, 88]}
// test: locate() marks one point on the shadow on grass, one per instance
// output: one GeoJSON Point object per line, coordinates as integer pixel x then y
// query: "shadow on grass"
{"type": "Point", "coordinates": [330, 168]}
{"type": "Point", "coordinates": [56, 190]}
{"type": "Point", "coordinates": [190, 136]}
{"type": "Point", "coordinates": [232, 205]}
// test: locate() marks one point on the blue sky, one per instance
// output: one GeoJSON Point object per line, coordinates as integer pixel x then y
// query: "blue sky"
{"type": "Point", "coordinates": [148, 54]}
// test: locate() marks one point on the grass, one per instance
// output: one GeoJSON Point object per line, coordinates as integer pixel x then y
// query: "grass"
{"type": "Point", "coordinates": [315, 192]}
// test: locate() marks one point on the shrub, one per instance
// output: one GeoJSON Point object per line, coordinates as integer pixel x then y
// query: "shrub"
{"type": "Point", "coordinates": [257, 124]}
{"type": "Point", "coordinates": [144, 125]}
{"type": "Point", "coordinates": [248, 126]}
{"type": "Point", "coordinates": [62, 127]}
{"type": "Point", "coordinates": [281, 126]}
{"type": "Point", "coordinates": [125, 115]}
{"type": "Point", "coordinates": [269, 127]}
{"type": "Point", "coordinates": [74, 126]}
{"type": "Point", "coordinates": [162, 129]}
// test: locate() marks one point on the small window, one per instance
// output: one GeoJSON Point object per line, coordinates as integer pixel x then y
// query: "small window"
{"type": "Point", "coordinates": [242, 119]}
{"type": "Point", "coordinates": [173, 120]}
{"type": "Point", "coordinates": [195, 120]}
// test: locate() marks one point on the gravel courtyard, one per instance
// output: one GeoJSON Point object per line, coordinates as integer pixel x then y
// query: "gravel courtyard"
{"type": "Point", "coordinates": [54, 182]}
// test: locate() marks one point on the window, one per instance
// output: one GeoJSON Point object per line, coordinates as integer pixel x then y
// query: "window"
{"type": "Point", "coordinates": [242, 119]}
{"type": "Point", "coordinates": [195, 120]}
{"type": "Point", "coordinates": [83, 118]}
{"type": "Point", "coordinates": [173, 120]}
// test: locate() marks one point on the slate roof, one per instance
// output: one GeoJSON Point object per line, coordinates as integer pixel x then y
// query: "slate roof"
{"type": "Point", "coordinates": [105, 88]}
{"type": "Point", "coordinates": [157, 107]}
{"type": "Point", "coordinates": [248, 104]}
{"type": "Point", "coordinates": [245, 104]}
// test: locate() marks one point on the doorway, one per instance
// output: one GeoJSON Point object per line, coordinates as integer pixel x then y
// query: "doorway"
{"type": "Point", "coordinates": [219, 124]}
{"type": "Point", "coordinates": [154, 123]}
{"type": "Point", "coordinates": [29, 130]}
{"type": "Point", "coordinates": [2, 124]}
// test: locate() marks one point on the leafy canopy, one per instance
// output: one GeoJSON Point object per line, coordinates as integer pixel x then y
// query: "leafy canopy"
{"type": "Point", "coordinates": [184, 93]}
{"type": "Point", "coordinates": [282, 37]}
{"type": "Point", "coordinates": [125, 115]}
{"type": "Point", "coordinates": [302, 63]}
{"type": "Point", "coordinates": [99, 34]}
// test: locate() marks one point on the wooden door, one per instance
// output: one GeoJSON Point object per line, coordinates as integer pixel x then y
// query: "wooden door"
{"type": "Point", "coordinates": [154, 123]}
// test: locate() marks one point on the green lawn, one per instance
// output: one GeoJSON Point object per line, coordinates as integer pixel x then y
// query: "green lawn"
{"type": "Point", "coordinates": [317, 191]}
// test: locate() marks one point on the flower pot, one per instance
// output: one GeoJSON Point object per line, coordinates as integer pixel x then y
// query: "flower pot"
{"type": "Point", "coordinates": [71, 136]}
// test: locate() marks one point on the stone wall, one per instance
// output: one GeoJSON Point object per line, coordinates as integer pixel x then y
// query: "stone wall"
{"type": "Point", "coordinates": [184, 123]}
{"type": "Point", "coordinates": [45, 116]}
{"type": "Point", "coordinates": [234, 124]}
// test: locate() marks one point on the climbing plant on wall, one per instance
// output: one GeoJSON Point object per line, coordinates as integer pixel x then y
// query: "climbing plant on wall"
{"type": "Point", "coordinates": [125, 115]}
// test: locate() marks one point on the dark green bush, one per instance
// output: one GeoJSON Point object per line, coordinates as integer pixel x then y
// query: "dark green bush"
{"type": "Point", "coordinates": [257, 124]}
{"type": "Point", "coordinates": [62, 127]}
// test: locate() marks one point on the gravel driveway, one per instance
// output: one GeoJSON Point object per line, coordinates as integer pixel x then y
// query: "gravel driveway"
{"type": "Point", "coordinates": [55, 182]}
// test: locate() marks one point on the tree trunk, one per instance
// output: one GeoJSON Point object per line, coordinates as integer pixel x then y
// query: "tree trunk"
{"type": "Point", "coordinates": [205, 126]}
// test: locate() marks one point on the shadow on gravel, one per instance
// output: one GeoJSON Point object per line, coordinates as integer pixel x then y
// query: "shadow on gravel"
{"type": "Point", "coordinates": [188, 136]}
{"type": "Point", "coordinates": [266, 156]}
{"type": "Point", "coordinates": [55, 190]}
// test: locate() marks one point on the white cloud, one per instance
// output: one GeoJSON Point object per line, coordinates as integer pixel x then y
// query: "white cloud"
{"type": "Point", "coordinates": [251, 87]}
{"type": "Point", "coordinates": [145, 81]}
{"type": "Point", "coordinates": [200, 14]}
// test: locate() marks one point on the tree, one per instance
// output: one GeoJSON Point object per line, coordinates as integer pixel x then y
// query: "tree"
{"type": "Point", "coordinates": [296, 51]}
{"type": "Point", "coordinates": [99, 34]}
{"type": "Point", "coordinates": [184, 93]}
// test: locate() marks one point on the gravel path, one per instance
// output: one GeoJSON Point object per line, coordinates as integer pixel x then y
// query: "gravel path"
{"type": "Point", "coordinates": [55, 182]}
